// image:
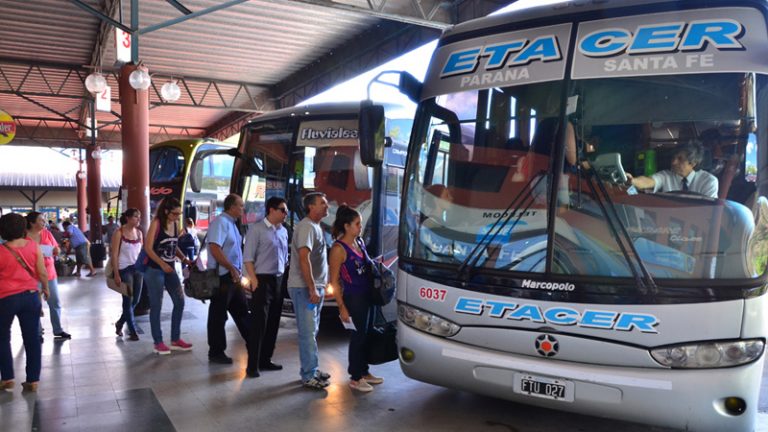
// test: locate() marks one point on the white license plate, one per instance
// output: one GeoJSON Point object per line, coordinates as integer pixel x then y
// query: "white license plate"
{"type": "Point", "coordinates": [547, 388]}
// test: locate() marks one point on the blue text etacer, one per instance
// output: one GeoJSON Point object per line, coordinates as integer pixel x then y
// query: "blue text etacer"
{"type": "Point", "coordinates": [561, 316]}
{"type": "Point", "coordinates": [722, 34]}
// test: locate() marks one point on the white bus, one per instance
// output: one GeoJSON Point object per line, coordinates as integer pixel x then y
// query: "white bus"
{"type": "Point", "coordinates": [315, 148]}
{"type": "Point", "coordinates": [529, 270]}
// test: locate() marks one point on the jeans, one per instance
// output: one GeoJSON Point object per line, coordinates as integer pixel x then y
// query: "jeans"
{"type": "Point", "coordinates": [266, 307]}
{"type": "Point", "coordinates": [54, 306]}
{"type": "Point", "coordinates": [135, 280]}
{"type": "Point", "coordinates": [359, 307]}
{"type": "Point", "coordinates": [26, 306]}
{"type": "Point", "coordinates": [308, 323]}
{"type": "Point", "coordinates": [157, 282]}
{"type": "Point", "coordinates": [229, 297]}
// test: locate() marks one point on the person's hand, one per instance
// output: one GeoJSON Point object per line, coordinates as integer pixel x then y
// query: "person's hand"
{"type": "Point", "coordinates": [46, 293]}
{"type": "Point", "coordinates": [314, 295]}
{"type": "Point", "coordinates": [118, 281]}
{"type": "Point", "coordinates": [253, 284]}
{"type": "Point", "coordinates": [166, 268]}
{"type": "Point", "coordinates": [629, 179]}
{"type": "Point", "coordinates": [344, 314]}
{"type": "Point", "coordinates": [235, 275]}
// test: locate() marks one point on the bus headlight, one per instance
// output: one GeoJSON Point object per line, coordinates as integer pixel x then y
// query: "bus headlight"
{"type": "Point", "coordinates": [709, 354]}
{"type": "Point", "coordinates": [425, 321]}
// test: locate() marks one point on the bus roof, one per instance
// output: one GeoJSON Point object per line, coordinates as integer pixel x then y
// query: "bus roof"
{"type": "Point", "coordinates": [351, 108]}
{"type": "Point", "coordinates": [554, 10]}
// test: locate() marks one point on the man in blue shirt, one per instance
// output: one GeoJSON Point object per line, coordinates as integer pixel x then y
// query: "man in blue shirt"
{"type": "Point", "coordinates": [79, 244]}
{"type": "Point", "coordinates": [265, 256]}
{"type": "Point", "coordinates": [225, 253]}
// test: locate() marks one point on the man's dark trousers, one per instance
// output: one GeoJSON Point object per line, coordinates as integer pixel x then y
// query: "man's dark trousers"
{"type": "Point", "coordinates": [228, 298]}
{"type": "Point", "coordinates": [266, 307]}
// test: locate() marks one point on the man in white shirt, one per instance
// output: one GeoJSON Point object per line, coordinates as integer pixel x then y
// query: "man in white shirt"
{"type": "Point", "coordinates": [682, 176]}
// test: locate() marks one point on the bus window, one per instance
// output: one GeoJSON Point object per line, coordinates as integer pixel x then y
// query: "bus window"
{"type": "Point", "coordinates": [210, 176]}
{"type": "Point", "coordinates": [266, 171]}
{"type": "Point", "coordinates": [166, 168]}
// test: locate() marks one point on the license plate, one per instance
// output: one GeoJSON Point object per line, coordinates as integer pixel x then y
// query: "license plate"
{"type": "Point", "coordinates": [547, 388]}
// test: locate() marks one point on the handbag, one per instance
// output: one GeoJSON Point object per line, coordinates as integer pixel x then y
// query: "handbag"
{"type": "Point", "coordinates": [122, 287]}
{"type": "Point", "coordinates": [142, 261]}
{"type": "Point", "coordinates": [201, 284]}
{"type": "Point", "coordinates": [381, 340]}
{"type": "Point", "coordinates": [383, 283]}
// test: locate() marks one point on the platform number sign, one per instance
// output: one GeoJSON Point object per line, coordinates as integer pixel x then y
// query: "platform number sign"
{"type": "Point", "coordinates": [104, 100]}
{"type": "Point", "coordinates": [7, 128]}
{"type": "Point", "coordinates": [122, 46]}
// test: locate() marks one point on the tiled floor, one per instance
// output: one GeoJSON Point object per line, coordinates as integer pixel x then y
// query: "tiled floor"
{"type": "Point", "coordinates": [100, 382]}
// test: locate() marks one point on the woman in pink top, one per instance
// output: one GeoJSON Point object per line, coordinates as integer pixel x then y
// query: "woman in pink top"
{"type": "Point", "coordinates": [37, 231]}
{"type": "Point", "coordinates": [22, 272]}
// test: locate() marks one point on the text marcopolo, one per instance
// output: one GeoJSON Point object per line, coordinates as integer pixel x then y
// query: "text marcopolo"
{"type": "Point", "coordinates": [551, 286]}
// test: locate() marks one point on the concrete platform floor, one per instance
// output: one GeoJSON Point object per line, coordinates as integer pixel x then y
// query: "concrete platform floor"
{"type": "Point", "coordinates": [100, 382]}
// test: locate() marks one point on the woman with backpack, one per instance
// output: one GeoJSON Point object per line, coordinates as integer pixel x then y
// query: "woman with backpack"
{"type": "Point", "coordinates": [350, 275]}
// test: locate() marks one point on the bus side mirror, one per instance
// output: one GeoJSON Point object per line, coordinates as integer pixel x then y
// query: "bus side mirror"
{"type": "Point", "coordinates": [410, 86]}
{"type": "Point", "coordinates": [196, 176]}
{"type": "Point", "coordinates": [371, 125]}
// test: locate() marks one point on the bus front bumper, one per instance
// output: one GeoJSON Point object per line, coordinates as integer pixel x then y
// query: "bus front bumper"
{"type": "Point", "coordinates": [692, 399]}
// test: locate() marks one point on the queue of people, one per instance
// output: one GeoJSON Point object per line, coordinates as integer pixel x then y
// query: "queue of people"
{"type": "Point", "coordinates": [251, 273]}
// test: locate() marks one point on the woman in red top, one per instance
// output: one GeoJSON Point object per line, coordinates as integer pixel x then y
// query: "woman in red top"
{"type": "Point", "coordinates": [37, 231]}
{"type": "Point", "coordinates": [22, 272]}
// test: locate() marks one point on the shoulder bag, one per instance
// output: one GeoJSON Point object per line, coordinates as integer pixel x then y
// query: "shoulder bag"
{"type": "Point", "coordinates": [383, 285]}
{"type": "Point", "coordinates": [201, 284]}
{"type": "Point", "coordinates": [381, 340]}
{"type": "Point", "coordinates": [109, 272]}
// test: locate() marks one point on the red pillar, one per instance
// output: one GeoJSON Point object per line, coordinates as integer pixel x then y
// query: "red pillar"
{"type": "Point", "coordinates": [81, 199]}
{"type": "Point", "coordinates": [94, 191]}
{"type": "Point", "coordinates": [134, 105]}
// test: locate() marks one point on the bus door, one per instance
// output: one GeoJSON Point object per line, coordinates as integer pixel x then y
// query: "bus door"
{"type": "Point", "coordinates": [264, 170]}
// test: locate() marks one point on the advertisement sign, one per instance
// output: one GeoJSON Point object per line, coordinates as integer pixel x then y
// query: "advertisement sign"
{"type": "Point", "coordinates": [7, 128]}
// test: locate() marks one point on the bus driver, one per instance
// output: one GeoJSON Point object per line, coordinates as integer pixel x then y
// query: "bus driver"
{"type": "Point", "coordinates": [682, 176]}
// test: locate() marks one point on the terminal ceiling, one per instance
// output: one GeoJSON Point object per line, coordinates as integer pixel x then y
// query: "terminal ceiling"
{"type": "Point", "coordinates": [234, 59]}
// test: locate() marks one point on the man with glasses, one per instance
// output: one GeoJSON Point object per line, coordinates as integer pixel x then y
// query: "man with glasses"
{"type": "Point", "coordinates": [265, 256]}
{"type": "Point", "coordinates": [225, 253]}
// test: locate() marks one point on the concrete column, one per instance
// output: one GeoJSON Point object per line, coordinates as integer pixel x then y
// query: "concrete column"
{"type": "Point", "coordinates": [81, 198]}
{"type": "Point", "coordinates": [134, 105]}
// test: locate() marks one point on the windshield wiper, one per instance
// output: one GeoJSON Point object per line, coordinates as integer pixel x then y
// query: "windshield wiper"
{"type": "Point", "coordinates": [620, 234]}
{"type": "Point", "coordinates": [525, 192]}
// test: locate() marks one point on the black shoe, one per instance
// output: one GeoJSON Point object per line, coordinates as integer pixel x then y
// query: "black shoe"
{"type": "Point", "coordinates": [119, 328]}
{"type": "Point", "coordinates": [62, 335]}
{"type": "Point", "coordinates": [133, 337]}
{"type": "Point", "coordinates": [220, 359]}
{"type": "Point", "coordinates": [270, 366]}
{"type": "Point", "coordinates": [252, 373]}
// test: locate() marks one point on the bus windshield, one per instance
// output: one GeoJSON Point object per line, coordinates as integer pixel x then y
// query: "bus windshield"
{"type": "Point", "coordinates": [495, 165]}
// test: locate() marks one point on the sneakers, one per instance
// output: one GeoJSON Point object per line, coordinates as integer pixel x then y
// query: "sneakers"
{"type": "Point", "coordinates": [324, 376]}
{"type": "Point", "coordinates": [29, 386]}
{"type": "Point", "coordinates": [360, 385]}
{"type": "Point", "coordinates": [372, 379]}
{"type": "Point", "coordinates": [63, 335]}
{"type": "Point", "coordinates": [6, 385]}
{"type": "Point", "coordinates": [180, 345]}
{"type": "Point", "coordinates": [162, 349]}
{"type": "Point", "coordinates": [316, 383]}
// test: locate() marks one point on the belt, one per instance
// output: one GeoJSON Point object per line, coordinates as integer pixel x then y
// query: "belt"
{"type": "Point", "coordinates": [270, 275]}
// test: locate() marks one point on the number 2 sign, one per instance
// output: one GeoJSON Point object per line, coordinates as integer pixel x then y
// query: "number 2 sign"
{"type": "Point", "coordinates": [104, 100]}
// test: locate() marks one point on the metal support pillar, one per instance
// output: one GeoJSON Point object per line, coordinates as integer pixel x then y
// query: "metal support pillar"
{"type": "Point", "coordinates": [81, 198]}
{"type": "Point", "coordinates": [93, 163]}
{"type": "Point", "coordinates": [134, 107]}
